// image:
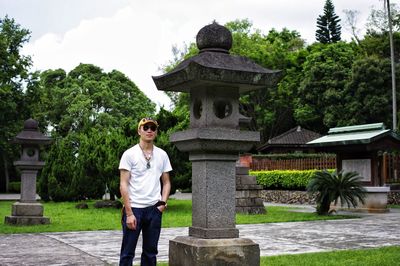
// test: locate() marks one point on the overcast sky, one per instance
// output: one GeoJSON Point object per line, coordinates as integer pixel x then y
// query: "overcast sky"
{"type": "Point", "coordinates": [136, 36]}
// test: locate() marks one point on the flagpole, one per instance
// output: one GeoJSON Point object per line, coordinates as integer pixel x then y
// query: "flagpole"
{"type": "Point", "coordinates": [394, 103]}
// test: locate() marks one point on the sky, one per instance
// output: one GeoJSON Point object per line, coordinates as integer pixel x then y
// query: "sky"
{"type": "Point", "coordinates": [136, 37]}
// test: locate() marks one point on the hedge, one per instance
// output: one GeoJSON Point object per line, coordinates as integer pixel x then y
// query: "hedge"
{"type": "Point", "coordinates": [285, 179]}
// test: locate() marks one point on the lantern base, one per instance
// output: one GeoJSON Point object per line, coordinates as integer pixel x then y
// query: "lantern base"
{"type": "Point", "coordinates": [26, 220]}
{"type": "Point", "coordinates": [187, 250]}
{"type": "Point", "coordinates": [27, 213]}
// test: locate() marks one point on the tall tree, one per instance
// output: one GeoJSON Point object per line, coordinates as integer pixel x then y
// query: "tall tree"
{"type": "Point", "coordinates": [14, 74]}
{"type": "Point", "coordinates": [377, 44]}
{"type": "Point", "coordinates": [367, 94]}
{"type": "Point", "coordinates": [327, 69]}
{"type": "Point", "coordinates": [170, 122]}
{"type": "Point", "coordinates": [351, 23]}
{"type": "Point", "coordinates": [377, 22]}
{"type": "Point", "coordinates": [93, 117]}
{"type": "Point", "coordinates": [87, 97]}
{"type": "Point", "coordinates": [328, 27]}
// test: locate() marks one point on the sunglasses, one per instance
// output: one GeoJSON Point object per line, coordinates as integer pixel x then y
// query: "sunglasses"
{"type": "Point", "coordinates": [151, 127]}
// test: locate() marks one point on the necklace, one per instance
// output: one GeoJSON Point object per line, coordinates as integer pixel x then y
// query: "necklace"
{"type": "Point", "coordinates": [147, 156]}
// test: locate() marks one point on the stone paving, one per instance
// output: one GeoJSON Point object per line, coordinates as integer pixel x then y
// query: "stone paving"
{"type": "Point", "coordinates": [102, 247]}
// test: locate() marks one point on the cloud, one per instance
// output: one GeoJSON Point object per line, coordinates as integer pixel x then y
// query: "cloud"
{"type": "Point", "coordinates": [137, 39]}
{"type": "Point", "coordinates": [123, 42]}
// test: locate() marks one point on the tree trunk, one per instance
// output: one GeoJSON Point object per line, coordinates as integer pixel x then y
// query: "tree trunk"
{"type": "Point", "coordinates": [323, 207]}
{"type": "Point", "coordinates": [6, 175]}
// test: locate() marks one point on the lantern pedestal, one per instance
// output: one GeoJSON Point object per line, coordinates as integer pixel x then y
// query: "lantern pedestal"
{"type": "Point", "coordinates": [187, 250]}
{"type": "Point", "coordinates": [27, 213]}
{"type": "Point", "coordinates": [213, 153]}
{"type": "Point", "coordinates": [213, 237]}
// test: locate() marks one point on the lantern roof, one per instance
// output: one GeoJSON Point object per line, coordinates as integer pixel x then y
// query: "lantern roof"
{"type": "Point", "coordinates": [215, 66]}
{"type": "Point", "coordinates": [31, 134]}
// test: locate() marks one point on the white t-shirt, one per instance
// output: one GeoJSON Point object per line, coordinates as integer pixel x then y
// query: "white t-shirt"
{"type": "Point", "coordinates": [144, 184]}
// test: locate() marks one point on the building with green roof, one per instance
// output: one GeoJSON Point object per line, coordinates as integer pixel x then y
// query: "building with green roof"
{"type": "Point", "coordinates": [360, 148]}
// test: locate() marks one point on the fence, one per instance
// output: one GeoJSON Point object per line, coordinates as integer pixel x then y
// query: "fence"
{"type": "Point", "coordinates": [320, 163]}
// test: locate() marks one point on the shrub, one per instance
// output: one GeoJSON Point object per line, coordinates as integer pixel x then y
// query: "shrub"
{"type": "Point", "coordinates": [14, 187]}
{"type": "Point", "coordinates": [284, 179]}
{"type": "Point", "coordinates": [346, 186]}
{"type": "Point", "coordinates": [82, 166]}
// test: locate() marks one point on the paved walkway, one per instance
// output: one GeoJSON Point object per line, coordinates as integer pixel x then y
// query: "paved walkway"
{"type": "Point", "coordinates": [102, 247]}
{"type": "Point", "coordinates": [8, 196]}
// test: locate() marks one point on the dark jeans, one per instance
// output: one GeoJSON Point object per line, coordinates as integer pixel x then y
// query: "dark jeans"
{"type": "Point", "coordinates": [148, 220]}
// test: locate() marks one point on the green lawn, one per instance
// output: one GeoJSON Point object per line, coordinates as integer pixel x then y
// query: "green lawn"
{"type": "Point", "coordinates": [365, 257]}
{"type": "Point", "coordinates": [65, 217]}
{"type": "Point", "coordinates": [385, 256]}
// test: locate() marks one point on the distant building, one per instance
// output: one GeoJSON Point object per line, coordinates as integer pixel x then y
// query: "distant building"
{"type": "Point", "coordinates": [366, 149]}
{"type": "Point", "coordinates": [293, 140]}
{"type": "Point", "coordinates": [361, 148]}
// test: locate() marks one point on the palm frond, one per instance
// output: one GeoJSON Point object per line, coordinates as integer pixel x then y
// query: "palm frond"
{"type": "Point", "coordinates": [330, 187]}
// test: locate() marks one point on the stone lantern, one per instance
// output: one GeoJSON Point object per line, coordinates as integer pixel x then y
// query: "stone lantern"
{"type": "Point", "coordinates": [214, 79]}
{"type": "Point", "coordinates": [27, 211]}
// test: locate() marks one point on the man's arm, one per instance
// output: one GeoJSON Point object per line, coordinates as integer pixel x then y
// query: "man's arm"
{"type": "Point", "coordinates": [123, 187]}
{"type": "Point", "coordinates": [166, 189]}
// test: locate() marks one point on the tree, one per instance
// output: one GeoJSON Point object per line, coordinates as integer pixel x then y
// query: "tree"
{"type": "Point", "coordinates": [319, 103]}
{"type": "Point", "coordinates": [171, 122]}
{"type": "Point", "coordinates": [333, 186]}
{"type": "Point", "coordinates": [93, 117]}
{"type": "Point", "coordinates": [351, 23]}
{"type": "Point", "coordinates": [270, 108]}
{"type": "Point", "coordinates": [98, 160]}
{"type": "Point", "coordinates": [83, 165]}
{"type": "Point", "coordinates": [87, 97]}
{"type": "Point", "coordinates": [377, 22]}
{"type": "Point", "coordinates": [367, 93]}
{"type": "Point", "coordinates": [55, 180]}
{"type": "Point", "coordinates": [328, 27]}
{"type": "Point", "coordinates": [14, 73]}
{"type": "Point", "coordinates": [377, 44]}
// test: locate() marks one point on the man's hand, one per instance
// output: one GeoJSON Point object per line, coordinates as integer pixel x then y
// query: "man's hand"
{"type": "Point", "coordinates": [162, 208]}
{"type": "Point", "coordinates": [131, 222]}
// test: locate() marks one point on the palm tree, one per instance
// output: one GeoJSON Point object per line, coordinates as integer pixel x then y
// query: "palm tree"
{"type": "Point", "coordinates": [332, 186]}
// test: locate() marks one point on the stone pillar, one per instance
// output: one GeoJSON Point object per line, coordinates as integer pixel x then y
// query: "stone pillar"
{"type": "Point", "coordinates": [212, 179]}
{"type": "Point", "coordinates": [28, 185]}
{"type": "Point", "coordinates": [214, 79]}
{"type": "Point", "coordinates": [27, 211]}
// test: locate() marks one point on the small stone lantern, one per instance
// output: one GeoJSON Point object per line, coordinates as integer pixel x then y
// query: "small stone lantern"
{"type": "Point", "coordinates": [214, 79]}
{"type": "Point", "coordinates": [27, 211]}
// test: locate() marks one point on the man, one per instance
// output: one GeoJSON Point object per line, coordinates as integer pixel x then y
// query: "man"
{"type": "Point", "coordinates": [141, 168]}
